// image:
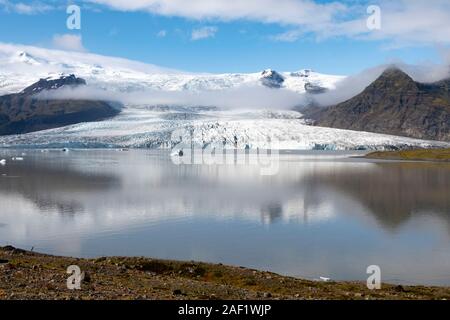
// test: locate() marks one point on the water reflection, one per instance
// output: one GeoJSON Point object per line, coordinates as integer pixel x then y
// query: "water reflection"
{"type": "Point", "coordinates": [394, 192]}
{"type": "Point", "coordinates": [319, 215]}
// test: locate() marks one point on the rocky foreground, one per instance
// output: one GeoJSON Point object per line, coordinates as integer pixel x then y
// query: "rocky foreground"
{"type": "Point", "coordinates": [34, 276]}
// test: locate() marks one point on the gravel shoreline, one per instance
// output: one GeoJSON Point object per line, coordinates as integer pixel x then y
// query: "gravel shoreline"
{"type": "Point", "coordinates": [26, 275]}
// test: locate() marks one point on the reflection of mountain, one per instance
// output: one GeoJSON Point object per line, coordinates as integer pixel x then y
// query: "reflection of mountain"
{"type": "Point", "coordinates": [113, 190]}
{"type": "Point", "coordinates": [272, 212]}
{"type": "Point", "coordinates": [395, 192]}
{"type": "Point", "coordinates": [52, 187]}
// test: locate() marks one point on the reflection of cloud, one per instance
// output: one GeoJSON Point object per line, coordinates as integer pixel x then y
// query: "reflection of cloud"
{"type": "Point", "coordinates": [139, 203]}
{"type": "Point", "coordinates": [94, 192]}
{"type": "Point", "coordinates": [79, 199]}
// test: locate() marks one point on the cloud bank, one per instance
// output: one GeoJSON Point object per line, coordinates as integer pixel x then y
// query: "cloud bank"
{"type": "Point", "coordinates": [272, 11]}
{"type": "Point", "coordinates": [247, 97]}
{"type": "Point", "coordinates": [404, 22]}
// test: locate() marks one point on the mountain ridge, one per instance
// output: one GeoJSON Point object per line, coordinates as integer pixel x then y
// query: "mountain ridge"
{"type": "Point", "coordinates": [25, 64]}
{"type": "Point", "coordinates": [24, 112]}
{"type": "Point", "coordinates": [393, 104]}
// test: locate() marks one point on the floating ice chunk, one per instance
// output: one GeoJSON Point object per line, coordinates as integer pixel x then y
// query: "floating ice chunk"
{"type": "Point", "coordinates": [2, 162]}
{"type": "Point", "coordinates": [17, 159]}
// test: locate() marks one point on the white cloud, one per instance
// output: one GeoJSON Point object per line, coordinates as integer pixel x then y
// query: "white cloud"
{"type": "Point", "coordinates": [253, 97]}
{"type": "Point", "coordinates": [161, 33]}
{"type": "Point", "coordinates": [25, 8]}
{"type": "Point", "coordinates": [277, 11]}
{"type": "Point", "coordinates": [68, 42]}
{"type": "Point", "coordinates": [203, 33]}
{"type": "Point", "coordinates": [415, 21]}
{"type": "Point", "coordinates": [288, 36]}
{"type": "Point", "coordinates": [404, 22]}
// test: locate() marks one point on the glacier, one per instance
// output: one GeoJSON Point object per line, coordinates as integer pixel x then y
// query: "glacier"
{"type": "Point", "coordinates": [166, 127]}
{"type": "Point", "coordinates": [143, 125]}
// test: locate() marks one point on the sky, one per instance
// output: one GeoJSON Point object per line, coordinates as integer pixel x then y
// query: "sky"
{"type": "Point", "coordinates": [220, 36]}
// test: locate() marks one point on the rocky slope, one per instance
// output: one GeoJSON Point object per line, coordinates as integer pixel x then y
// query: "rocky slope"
{"type": "Point", "coordinates": [25, 112]}
{"type": "Point", "coordinates": [393, 104]}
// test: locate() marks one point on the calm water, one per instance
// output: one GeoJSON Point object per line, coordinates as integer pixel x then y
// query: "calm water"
{"type": "Point", "coordinates": [322, 215]}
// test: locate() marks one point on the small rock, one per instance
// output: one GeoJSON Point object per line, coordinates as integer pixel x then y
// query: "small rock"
{"type": "Point", "coordinates": [399, 288]}
{"type": "Point", "coordinates": [87, 277]}
{"type": "Point", "coordinates": [177, 292]}
{"type": "Point", "coordinates": [267, 295]}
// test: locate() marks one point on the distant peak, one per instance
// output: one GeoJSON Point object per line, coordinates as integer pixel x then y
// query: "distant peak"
{"type": "Point", "coordinates": [394, 79]}
{"type": "Point", "coordinates": [46, 84]}
{"type": "Point", "coordinates": [272, 79]}
{"type": "Point", "coordinates": [22, 56]}
{"type": "Point", "coordinates": [395, 72]}
{"type": "Point", "coordinates": [268, 72]}
{"type": "Point", "coordinates": [304, 73]}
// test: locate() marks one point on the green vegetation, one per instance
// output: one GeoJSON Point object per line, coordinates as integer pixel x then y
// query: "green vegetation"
{"type": "Point", "coordinates": [419, 155]}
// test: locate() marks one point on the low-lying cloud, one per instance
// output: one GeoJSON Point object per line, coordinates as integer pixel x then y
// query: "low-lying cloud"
{"type": "Point", "coordinates": [247, 97]}
{"type": "Point", "coordinates": [257, 96]}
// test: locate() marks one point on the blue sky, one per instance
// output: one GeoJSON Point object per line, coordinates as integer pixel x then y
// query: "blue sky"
{"type": "Point", "coordinates": [220, 40]}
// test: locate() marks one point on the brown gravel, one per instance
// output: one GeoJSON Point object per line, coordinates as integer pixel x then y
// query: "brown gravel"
{"type": "Point", "coordinates": [33, 276]}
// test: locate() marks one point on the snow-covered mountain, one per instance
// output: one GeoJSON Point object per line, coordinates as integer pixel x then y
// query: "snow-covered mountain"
{"type": "Point", "coordinates": [152, 126]}
{"type": "Point", "coordinates": [21, 66]}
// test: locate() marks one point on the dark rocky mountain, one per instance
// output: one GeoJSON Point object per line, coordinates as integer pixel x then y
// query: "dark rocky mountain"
{"type": "Point", "coordinates": [393, 104]}
{"type": "Point", "coordinates": [314, 89]}
{"type": "Point", "coordinates": [272, 79]}
{"type": "Point", "coordinates": [24, 112]}
{"type": "Point", "coordinates": [44, 84]}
